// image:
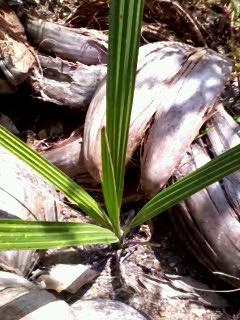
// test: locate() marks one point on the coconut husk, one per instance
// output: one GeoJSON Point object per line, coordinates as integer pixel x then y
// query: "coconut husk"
{"type": "Point", "coordinates": [67, 84]}
{"type": "Point", "coordinates": [209, 220]}
{"type": "Point", "coordinates": [74, 45]}
{"type": "Point", "coordinates": [16, 56]}
{"type": "Point", "coordinates": [144, 107]}
{"type": "Point", "coordinates": [23, 195]}
{"type": "Point", "coordinates": [67, 156]}
{"type": "Point", "coordinates": [67, 277]}
{"type": "Point", "coordinates": [186, 100]}
{"type": "Point", "coordinates": [164, 91]}
{"type": "Point", "coordinates": [223, 134]}
{"type": "Point", "coordinates": [20, 299]}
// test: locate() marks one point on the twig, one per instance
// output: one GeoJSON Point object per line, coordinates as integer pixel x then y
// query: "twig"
{"type": "Point", "coordinates": [184, 13]}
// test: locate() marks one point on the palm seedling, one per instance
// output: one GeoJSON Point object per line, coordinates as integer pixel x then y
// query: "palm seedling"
{"type": "Point", "coordinates": [125, 22]}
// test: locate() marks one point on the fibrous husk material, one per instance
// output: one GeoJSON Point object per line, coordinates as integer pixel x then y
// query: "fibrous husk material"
{"type": "Point", "coordinates": [209, 220]}
{"type": "Point", "coordinates": [16, 56]}
{"type": "Point", "coordinates": [185, 102]}
{"type": "Point", "coordinates": [67, 277]}
{"type": "Point", "coordinates": [67, 156]}
{"type": "Point", "coordinates": [22, 300]}
{"type": "Point", "coordinates": [23, 195]}
{"type": "Point", "coordinates": [66, 83]}
{"type": "Point", "coordinates": [174, 286]}
{"type": "Point", "coordinates": [173, 98]}
{"type": "Point", "coordinates": [69, 44]}
{"type": "Point", "coordinates": [144, 107]}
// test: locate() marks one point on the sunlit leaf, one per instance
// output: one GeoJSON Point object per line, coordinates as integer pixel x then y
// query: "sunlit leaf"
{"type": "Point", "coordinates": [26, 235]}
{"type": "Point", "coordinates": [55, 176]}
{"type": "Point", "coordinates": [124, 33]}
{"type": "Point", "coordinates": [109, 185]}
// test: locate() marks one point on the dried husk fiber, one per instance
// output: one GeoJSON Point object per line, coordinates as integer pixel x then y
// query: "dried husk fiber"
{"type": "Point", "coordinates": [22, 300]}
{"type": "Point", "coordinates": [184, 105]}
{"type": "Point", "coordinates": [209, 220]}
{"type": "Point", "coordinates": [16, 56]}
{"type": "Point", "coordinates": [171, 102]}
{"type": "Point", "coordinates": [66, 83]}
{"type": "Point", "coordinates": [23, 195]}
{"type": "Point", "coordinates": [67, 156]}
{"type": "Point", "coordinates": [67, 277]}
{"type": "Point", "coordinates": [69, 44]}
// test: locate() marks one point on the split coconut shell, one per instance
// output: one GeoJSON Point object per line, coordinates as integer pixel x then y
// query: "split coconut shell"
{"type": "Point", "coordinates": [170, 104]}
{"type": "Point", "coordinates": [185, 102]}
{"type": "Point", "coordinates": [67, 156]}
{"type": "Point", "coordinates": [22, 300]}
{"type": "Point", "coordinates": [66, 83]}
{"type": "Point", "coordinates": [209, 220]}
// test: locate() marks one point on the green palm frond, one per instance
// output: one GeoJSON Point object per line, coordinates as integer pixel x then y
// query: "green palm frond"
{"type": "Point", "coordinates": [26, 235]}
{"type": "Point", "coordinates": [56, 177]}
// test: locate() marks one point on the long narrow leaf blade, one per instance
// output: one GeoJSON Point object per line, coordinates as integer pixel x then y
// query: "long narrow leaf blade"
{"type": "Point", "coordinates": [26, 235]}
{"type": "Point", "coordinates": [211, 172]}
{"type": "Point", "coordinates": [55, 176]}
{"type": "Point", "coordinates": [125, 22]}
{"type": "Point", "coordinates": [109, 185]}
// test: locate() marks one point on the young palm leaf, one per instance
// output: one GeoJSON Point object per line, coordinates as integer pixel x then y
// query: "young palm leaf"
{"type": "Point", "coordinates": [215, 170]}
{"type": "Point", "coordinates": [55, 176]}
{"type": "Point", "coordinates": [109, 185]}
{"type": "Point", "coordinates": [125, 22]}
{"type": "Point", "coordinates": [124, 33]}
{"type": "Point", "coordinates": [26, 235]}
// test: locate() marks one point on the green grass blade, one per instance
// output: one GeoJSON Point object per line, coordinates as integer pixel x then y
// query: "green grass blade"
{"type": "Point", "coordinates": [213, 171]}
{"type": "Point", "coordinates": [26, 235]}
{"type": "Point", "coordinates": [56, 177]}
{"type": "Point", "coordinates": [125, 22]}
{"type": "Point", "coordinates": [109, 185]}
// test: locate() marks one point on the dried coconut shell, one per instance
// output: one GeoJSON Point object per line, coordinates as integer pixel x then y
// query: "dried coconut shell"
{"type": "Point", "coordinates": [22, 300]}
{"type": "Point", "coordinates": [66, 83]}
{"type": "Point", "coordinates": [23, 195]}
{"type": "Point", "coordinates": [209, 220]}
{"type": "Point", "coordinates": [67, 277]}
{"type": "Point", "coordinates": [144, 107]}
{"type": "Point", "coordinates": [68, 44]}
{"type": "Point", "coordinates": [186, 98]}
{"type": "Point", "coordinates": [67, 156]}
{"type": "Point", "coordinates": [156, 92]}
